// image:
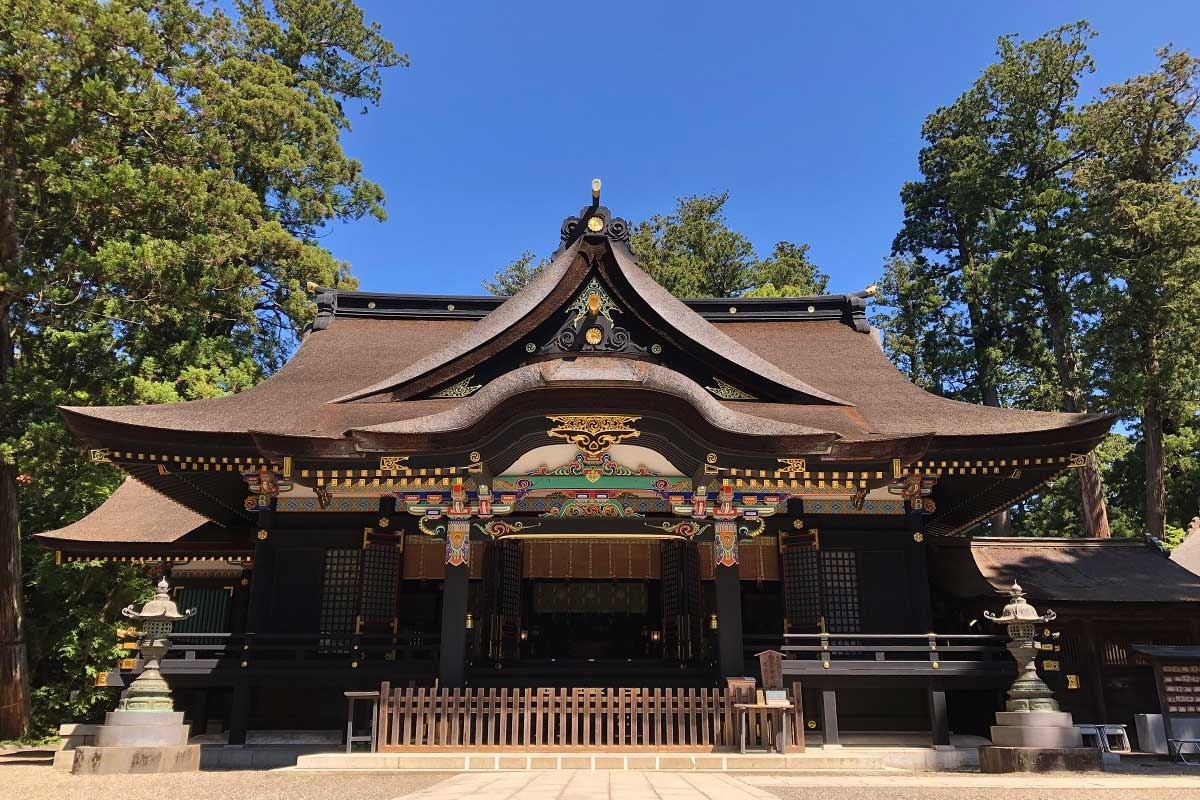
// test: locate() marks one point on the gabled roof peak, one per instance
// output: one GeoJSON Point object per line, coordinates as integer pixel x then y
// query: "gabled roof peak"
{"type": "Point", "coordinates": [573, 306]}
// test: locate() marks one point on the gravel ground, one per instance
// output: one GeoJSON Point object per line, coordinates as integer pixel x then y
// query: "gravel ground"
{"type": "Point", "coordinates": [40, 782]}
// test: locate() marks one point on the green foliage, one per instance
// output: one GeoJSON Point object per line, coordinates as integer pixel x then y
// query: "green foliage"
{"type": "Point", "coordinates": [171, 165]}
{"type": "Point", "coordinates": [787, 272]}
{"type": "Point", "coordinates": [513, 277]}
{"type": "Point", "coordinates": [77, 607]}
{"type": "Point", "coordinates": [692, 252]}
{"type": "Point", "coordinates": [1050, 259]}
{"type": "Point", "coordinates": [1054, 510]}
{"type": "Point", "coordinates": [1142, 210]}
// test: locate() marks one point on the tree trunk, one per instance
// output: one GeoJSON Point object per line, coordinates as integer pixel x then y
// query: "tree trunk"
{"type": "Point", "coordinates": [1091, 489]}
{"type": "Point", "coordinates": [982, 338]}
{"type": "Point", "coordinates": [1156, 496]}
{"type": "Point", "coordinates": [14, 671]}
{"type": "Point", "coordinates": [1091, 485]}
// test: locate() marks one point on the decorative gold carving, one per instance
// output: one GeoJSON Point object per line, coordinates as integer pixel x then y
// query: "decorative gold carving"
{"type": "Point", "coordinates": [463, 388]}
{"type": "Point", "coordinates": [593, 335]}
{"type": "Point", "coordinates": [384, 522]}
{"type": "Point", "coordinates": [262, 535]}
{"type": "Point", "coordinates": [793, 465]}
{"type": "Point", "coordinates": [99, 456]}
{"type": "Point", "coordinates": [393, 463]}
{"type": "Point", "coordinates": [324, 498]}
{"type": "Point", "coordinates": [475, 457]}
{"type": "Point", "coordinates": [595, 224]}
{"type": "Point", "coordinates": [918, 537]}
{"type": "Point", "coordinates": [1078, 460]}
{"type": "Point", "coordinates": [711, 458]}
{"type": "Point", "coordinates": [727, 391]}
{"type": "Point", "coordinates": [594, 301]}
{"type": "Point", "coordinates": [593, 433]}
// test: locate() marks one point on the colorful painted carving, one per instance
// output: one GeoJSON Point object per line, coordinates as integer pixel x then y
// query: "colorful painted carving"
{"type": "Point", "coordinates": [497, 528]}
{"type": "Point", "coordinates": [685, 529]}
{"type": "Point", "coordinates": [725, 544]}
{"type": "Point", "coordinates": [593, 469]}
{"type": "Point", "coordinates": [266, 484]}
{"type": "Point", "coordinates": [458, 543]}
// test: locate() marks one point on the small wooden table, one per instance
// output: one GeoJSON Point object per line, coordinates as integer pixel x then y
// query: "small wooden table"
{"type": "Point", "coordinates": [351, 738]}
{"type": "Point", "coordinates": [777, 720]}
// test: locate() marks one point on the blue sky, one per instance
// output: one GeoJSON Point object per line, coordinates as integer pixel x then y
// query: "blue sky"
{"type": "Point", "coordinates": [809, 114]}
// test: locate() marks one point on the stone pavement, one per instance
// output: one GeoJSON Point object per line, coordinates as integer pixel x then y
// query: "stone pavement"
{"type": "Point", "coordinates": [593, 785]}
{"type": "Point", "coordinates": [632, 785]}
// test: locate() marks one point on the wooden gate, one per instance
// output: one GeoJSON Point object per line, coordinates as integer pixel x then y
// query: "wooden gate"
{"type": "Point", "coordinates": [561, 719]}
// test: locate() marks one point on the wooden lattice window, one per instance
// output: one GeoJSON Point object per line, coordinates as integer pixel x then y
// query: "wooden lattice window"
{"type": "Point", "coordinates": [212, 609]}
{"type": "Point", "coordinates": [508, 592]}
{"type": "Point", "coordinates": [380, 568]}
{"type": "Point", "coordinates": [801, 584]}
{"type": "Point", "coordinates": [339, 594]}
{"type": "Point", "coordinates": [681, 599]}
{"type": "Point", "coordinates": [839, 576]}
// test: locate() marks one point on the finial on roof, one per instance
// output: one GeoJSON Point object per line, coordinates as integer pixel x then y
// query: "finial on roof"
{"type": "Point", "coordinates": [594, 221]}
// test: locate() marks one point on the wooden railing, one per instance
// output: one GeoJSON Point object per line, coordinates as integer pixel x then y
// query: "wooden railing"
{"type": "Point", "coordinates": [200, 653]}
{"type": "Point", "coordinates": [894, 654]}
{"type": "Point", "coordinates": [557, 719]}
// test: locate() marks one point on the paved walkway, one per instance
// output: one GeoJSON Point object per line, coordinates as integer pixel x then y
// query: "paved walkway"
{"type": "Point", "coordinates": [592, 785]}
{"type": "Point", "coordinates": [630, 785]}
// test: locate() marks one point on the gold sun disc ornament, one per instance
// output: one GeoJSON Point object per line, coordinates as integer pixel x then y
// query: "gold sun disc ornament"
{"type": "Point", "coordinates": [595, 224]}
{"type": "Point", "coordinates": [593, 336]}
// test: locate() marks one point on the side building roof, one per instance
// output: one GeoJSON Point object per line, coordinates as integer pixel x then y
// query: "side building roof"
{"type": "Point", "coordinates": [136, 521]}
{"type": "Point", "coordinates": [1061, 570]}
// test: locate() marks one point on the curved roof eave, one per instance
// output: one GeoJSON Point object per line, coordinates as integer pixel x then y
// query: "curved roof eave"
{"type": "Point", "coordinates": [616, 372]}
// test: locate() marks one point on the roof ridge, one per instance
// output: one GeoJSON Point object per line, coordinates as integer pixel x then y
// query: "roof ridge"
{"type": "Point", "coordinates": [554, 287]}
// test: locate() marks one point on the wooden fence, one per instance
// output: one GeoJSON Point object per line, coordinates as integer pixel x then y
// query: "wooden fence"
{"type": "Point", "coordinates": [567, 719]}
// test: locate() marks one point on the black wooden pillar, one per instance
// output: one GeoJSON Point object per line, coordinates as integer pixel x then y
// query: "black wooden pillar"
{"type": "Point", "coordinates": [729, 620]}
{"type": "Point", "coordinates": [939, 721]}
{"type": "Point", "coordinates": [829, 720]}
{"type": "Point", "coordinates": [262, 580]}
{"type": "Point", "coordinates": [918, 570]}
{"type": "Point", "coordinates": [452, 664]}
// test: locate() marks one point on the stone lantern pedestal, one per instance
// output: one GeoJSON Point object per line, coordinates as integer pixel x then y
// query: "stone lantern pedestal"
{"type": "Point", "coordinates": [145, 734]}
{"type": "Point", "coordinates": [1032, 734]}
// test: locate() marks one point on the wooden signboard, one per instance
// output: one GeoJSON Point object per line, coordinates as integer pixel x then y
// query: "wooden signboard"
{"type": "Point", "coordinates": [1177, 673]}
{"type": "Point", "coordinates": [770, 663]}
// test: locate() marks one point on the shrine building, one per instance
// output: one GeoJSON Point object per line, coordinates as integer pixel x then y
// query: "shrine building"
{"type": "Point", "coordinates": [595, 484]}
